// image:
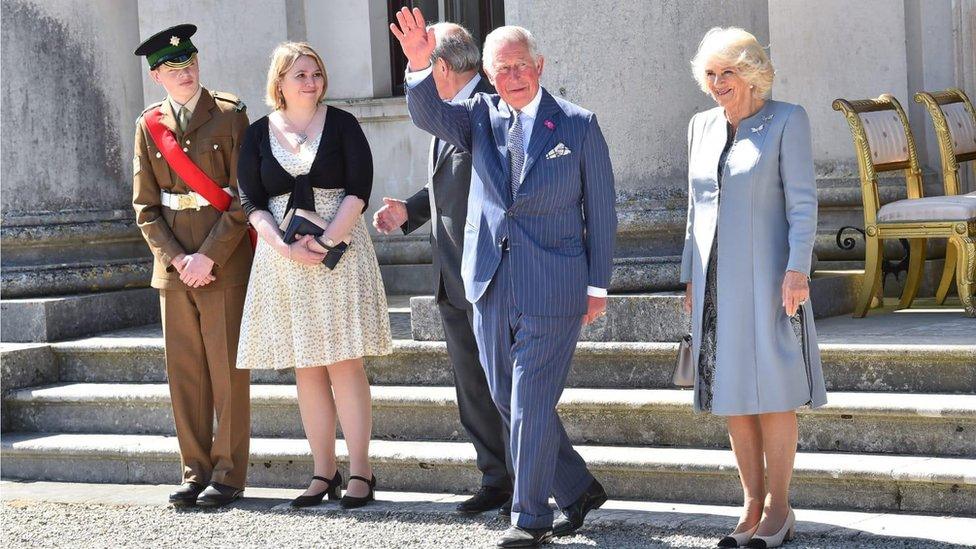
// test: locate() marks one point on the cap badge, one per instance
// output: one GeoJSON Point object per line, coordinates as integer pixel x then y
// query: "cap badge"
{"type": "Point", "coordinates": [174, 40]}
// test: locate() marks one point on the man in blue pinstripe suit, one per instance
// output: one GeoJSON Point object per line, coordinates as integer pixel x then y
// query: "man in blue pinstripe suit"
{"type": "Point", "coordinates": [538, 251]}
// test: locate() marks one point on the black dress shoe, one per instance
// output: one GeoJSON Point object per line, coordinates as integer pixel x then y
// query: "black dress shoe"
{"type": "Point", "coordinates": [333, 489]}
{"type": "Point", "coordinates": [352, 502]}
{"type": "Point", "coordinates": [218, 495]}
{"type": "Point", "coordinates": [506, 509]}
{"type": "Point", "coordinates": [573, 516]}
{"type": "Point", "coordinates": [516, 536]}
{"type": "Point", "coordinates": [186, 494]}
{"type": "Point", "coordinates": [485, 499]}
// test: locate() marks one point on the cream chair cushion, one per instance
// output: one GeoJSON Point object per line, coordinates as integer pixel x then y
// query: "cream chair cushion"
{"type": "Point", "coordinates": [886, 136]}
{"type": "Point", "coordinates": [931, 208]}
{"type": "Point", "coordinates": [962, 128]}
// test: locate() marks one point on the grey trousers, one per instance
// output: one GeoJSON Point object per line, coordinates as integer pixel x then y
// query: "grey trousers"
{"type": "Point", "coordinates": [479, 416]}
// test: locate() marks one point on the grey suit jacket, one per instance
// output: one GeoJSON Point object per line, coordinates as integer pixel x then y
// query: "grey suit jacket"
{"type": "Point", "coordinates": [444, 202]}
{"type": "Point", "coordinates": [765, 219]}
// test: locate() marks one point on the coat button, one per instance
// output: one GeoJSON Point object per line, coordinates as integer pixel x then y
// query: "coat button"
{"type": "Point", "coordinates": [215, 146]}
{"type": "Point", "coordinates": [187, 141]}
{"type": "Point", "coordinates": [159, 155]}
{"type": "Point", "coordinates": [186, 150]}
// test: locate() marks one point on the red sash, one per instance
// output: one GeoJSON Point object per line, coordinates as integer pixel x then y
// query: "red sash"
{"type": "Point", "coordinates": [189, 172]}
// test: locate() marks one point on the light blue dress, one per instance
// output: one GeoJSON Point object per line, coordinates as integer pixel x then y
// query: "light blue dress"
{"type": "Point", "coordinates": [765, 223]}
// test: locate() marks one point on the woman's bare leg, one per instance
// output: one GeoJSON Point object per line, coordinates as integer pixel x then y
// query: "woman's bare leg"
{"type": "Point", "coordinates": [318, 411]}
{"type": "Point", "coordinates": [779, 437]}
{"type": "Point", "coordinates": [354, 405]}
{"type": "Point", "coordinates": [747, 445]}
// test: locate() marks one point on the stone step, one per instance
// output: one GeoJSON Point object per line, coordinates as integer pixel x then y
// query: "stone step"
{"type": "Point", "coordinates": [821, 480]}
{"type": "Point", "coordinates": [942, 425]}
{"type": "Point", "coordinates": [136, 356]}
{"type": "Point", "coordinates": [55, 318]}
{"type": "Point", "coordinates": [657, 316]}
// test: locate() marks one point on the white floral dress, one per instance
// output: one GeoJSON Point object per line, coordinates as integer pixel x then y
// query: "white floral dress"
{"type": "Point", "coordinates": [299, 316]}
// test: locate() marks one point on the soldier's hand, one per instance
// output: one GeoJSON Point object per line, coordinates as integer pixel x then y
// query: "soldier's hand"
{"type": "Point", "coordinates": [179, 262]}
{"type": "Point", "coordinates": [391, 216]}
{"type": "Point", "coordinates": [415, 39]}
{"type": "Point", "coordinates": [298, 251]}
{"type": "Point", "coordinates": [197, 271]}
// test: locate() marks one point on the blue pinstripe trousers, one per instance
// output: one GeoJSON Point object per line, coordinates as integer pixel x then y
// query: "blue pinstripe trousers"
{"type": "Point", "coordinates": [526, 360]}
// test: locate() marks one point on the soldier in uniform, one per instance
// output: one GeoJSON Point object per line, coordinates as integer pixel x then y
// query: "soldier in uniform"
{"type": "Point", "coordinates": [186, 149]}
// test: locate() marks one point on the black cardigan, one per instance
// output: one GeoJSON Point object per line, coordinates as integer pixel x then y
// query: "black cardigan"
{"type": "Point", "coordinates": [342, 161]}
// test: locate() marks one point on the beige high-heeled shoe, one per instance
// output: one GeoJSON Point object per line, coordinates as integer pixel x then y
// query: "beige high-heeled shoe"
{"type": "Point", "coordinates": [738, 540]}
{"type": "Point", "coordinates": [785, 534]}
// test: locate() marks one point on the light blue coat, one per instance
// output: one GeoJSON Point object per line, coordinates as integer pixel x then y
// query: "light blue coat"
{"type": "Point", "coordinates": [767, 222]}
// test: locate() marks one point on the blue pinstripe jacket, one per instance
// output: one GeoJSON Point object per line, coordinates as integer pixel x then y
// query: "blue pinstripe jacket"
{"type": "Point", "coordinates": [561, 225]}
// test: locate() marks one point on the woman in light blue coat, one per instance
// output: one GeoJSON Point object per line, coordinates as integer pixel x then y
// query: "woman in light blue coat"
{"type": "Point", "coordinates": [752, 219]}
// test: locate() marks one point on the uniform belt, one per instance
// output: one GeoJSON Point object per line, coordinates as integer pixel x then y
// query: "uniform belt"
{"type": "Point", "coordinates": [190, 200]}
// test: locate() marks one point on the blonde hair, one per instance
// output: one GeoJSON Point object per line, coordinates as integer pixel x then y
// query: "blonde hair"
{"type": "Point", "coordinates": [735, 47]}
{"type": "Point", "coordinates": [283, 58]}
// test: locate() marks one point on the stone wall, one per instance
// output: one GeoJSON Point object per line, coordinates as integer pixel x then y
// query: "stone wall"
{"type": "Point", "coordinates": [70, 96]}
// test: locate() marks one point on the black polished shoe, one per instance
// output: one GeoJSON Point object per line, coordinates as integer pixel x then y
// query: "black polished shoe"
{"type": "Point", "coordinates": [506, 509]}
{"type": "Point", "coordinates": [186, 494]}
{"type": "Point", "coordinates": [516, 536]}
{"type": "Point", "coordinates": [218, 495]}
{"type": "Point", "coordinates": [485, 499]}
{"type": "Point", "coordinates": [333, 489]}
{"type": "Point", "coordinates": [352, 502]}
{"type": "Point", "coordinates": [573, 516]}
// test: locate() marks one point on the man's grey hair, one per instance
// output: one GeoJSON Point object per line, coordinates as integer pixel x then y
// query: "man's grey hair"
{"type": "Point", "coordinates": [506, 35]}
{"type": "Point", "coordinates": [456, 47]}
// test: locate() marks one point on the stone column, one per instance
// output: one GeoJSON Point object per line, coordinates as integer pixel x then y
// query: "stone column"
{"type": "Point", "coordinates": [353, 39]}
{"type": "Point", "coordinates": [71, 92]}
{"type": "Point", "coordinates": [70, 96]}
{"type": "Point", "coordinates": [630, 64]}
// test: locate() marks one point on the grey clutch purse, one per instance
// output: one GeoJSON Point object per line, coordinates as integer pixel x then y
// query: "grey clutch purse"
{"type": "Point", "coordinates": [684, 367]}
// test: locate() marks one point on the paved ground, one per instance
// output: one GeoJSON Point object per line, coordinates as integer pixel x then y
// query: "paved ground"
{"type": "Point", "coordinates": [44, 514]}
{"type": "Point", "coordinates": [924, 324]}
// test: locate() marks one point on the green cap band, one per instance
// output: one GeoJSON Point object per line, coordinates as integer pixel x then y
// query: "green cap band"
{"type": "Point", "coordinates": [185, 47]}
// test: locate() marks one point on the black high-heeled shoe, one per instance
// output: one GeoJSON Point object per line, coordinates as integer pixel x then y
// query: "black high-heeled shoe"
{"type": "Point", "coordinates": [333, 490]}
{"type": "Point", "coordinates": [351, 502]}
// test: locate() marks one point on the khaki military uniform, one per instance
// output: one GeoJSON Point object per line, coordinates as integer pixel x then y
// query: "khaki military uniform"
{"type": "Point", "coordinates": [200, 326]}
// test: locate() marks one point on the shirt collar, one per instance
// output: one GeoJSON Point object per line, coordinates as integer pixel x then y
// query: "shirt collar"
{"type": "Point", "coordinates": [190, 105]}
{"type": "Point", "coordinates": [467, 90]}
{"type": "Point", "coordinates": [529, 110]}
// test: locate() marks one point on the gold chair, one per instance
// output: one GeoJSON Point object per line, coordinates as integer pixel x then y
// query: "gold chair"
{"type": "Point", "coordinates": [955, 128]}
{"type": "Point", "coordinates": [883, 142]}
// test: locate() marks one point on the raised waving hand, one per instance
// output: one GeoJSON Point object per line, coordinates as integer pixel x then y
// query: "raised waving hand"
{"type": "Point", "coordinates": [416, 41]}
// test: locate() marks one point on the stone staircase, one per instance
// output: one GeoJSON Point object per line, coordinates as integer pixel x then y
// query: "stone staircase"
{"type": "Point", "coordinates": [898, 434]}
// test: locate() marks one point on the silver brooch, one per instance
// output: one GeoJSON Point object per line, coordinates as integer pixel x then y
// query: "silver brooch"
{"type": "Point", "coordinates": [760, 127]}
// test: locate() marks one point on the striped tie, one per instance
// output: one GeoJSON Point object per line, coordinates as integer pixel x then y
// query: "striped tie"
{"type": "Point", "coordinates": [516, 153]}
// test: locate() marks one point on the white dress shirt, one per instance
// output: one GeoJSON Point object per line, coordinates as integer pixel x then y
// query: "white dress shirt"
{"type": "Point", "coordinates": [526, 115]}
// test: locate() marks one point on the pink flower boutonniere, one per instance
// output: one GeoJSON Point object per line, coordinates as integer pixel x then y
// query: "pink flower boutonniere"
{"type": "Point", "coordinates": [550, 125]}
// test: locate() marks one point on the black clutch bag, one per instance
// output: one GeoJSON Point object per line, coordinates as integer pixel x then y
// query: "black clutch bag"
{"type": "Point", "coordinates": [299, 222]}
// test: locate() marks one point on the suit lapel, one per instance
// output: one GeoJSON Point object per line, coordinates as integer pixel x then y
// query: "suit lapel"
{"type": "Point", "coordinates": [446, 150]}
{"type": "Point", "coordinates": [542, 136]}
{"type": "Point", "coordinates": [201, 114]}
{"type": "Point", "coordinates": [499, 128]}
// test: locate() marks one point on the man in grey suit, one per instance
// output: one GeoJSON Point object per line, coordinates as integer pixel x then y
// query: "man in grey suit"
{"type": "Point", "coordinates": [538, 254]}
{"type": "Point", "coordinates": [444, 202]}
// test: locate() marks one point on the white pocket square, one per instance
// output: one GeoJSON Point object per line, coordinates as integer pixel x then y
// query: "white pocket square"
{"type": "Point", "coordinates": [557, 151]}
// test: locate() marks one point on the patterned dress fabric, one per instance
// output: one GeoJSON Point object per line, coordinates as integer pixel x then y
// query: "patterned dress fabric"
{"type": "Point", "coordinates": [709, 339]}
{"type": "Point", "coordinates": [299, 316]}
